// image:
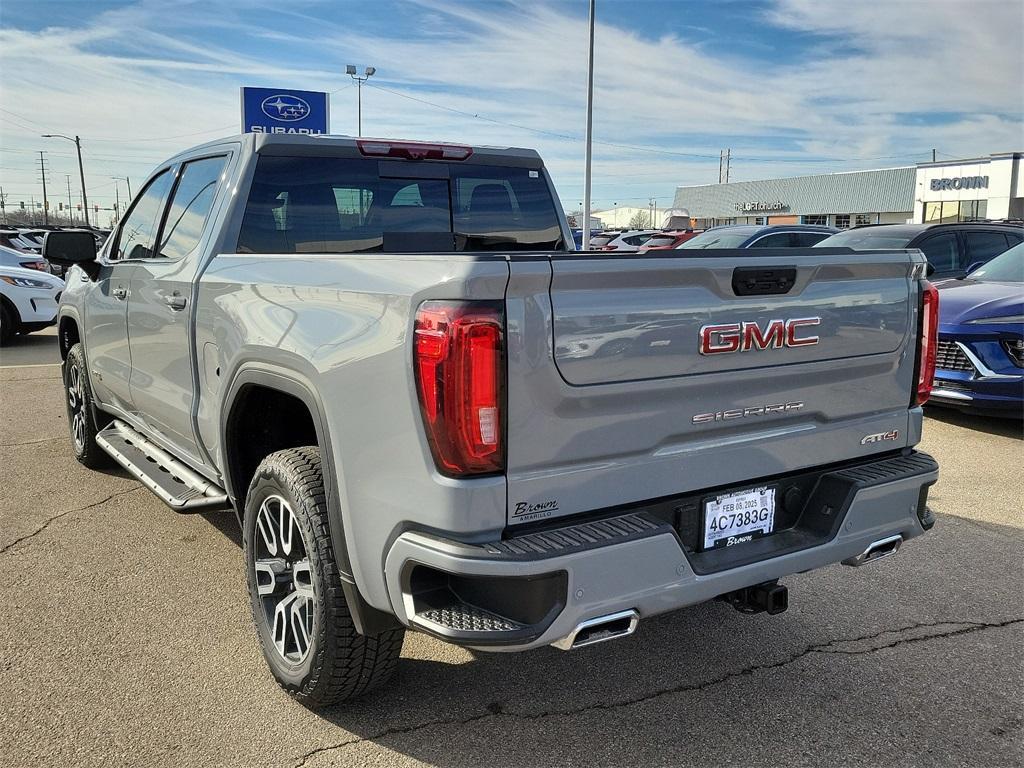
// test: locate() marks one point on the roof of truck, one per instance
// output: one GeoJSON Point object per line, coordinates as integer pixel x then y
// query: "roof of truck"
{"type": "Point", "coordinates": [272, 143]}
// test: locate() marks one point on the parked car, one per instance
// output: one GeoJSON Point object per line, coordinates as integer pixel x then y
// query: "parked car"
{"type": "Point", "coordinates": [979, 363]}
{"type": "Point", "coordinates": [484, 478]}
{"type": "Point", "coordinates": [664, 241]}
{"type": "Point", "coordinates": [28, 301]}
{"type": "Point", "coordinates": [9, 257]}
{"type": "Point", "coordinates": [951, 249]}
{"type": "Point", "coordinates": [627, 241]}
{"type": "Point", "coordinates": [577, 237]}
{"type": "Point", "coordinates": [760, 236]}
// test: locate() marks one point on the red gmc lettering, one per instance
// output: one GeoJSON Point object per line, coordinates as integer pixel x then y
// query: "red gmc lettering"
{"type": "Point", "coordinates": [773, 337]}
{"type": "Point", "coordinates": [743, 337]}
{"type": "Point", "coordinates": [792, 325]}
{"type": "Point", "coordinates": [729, 338]}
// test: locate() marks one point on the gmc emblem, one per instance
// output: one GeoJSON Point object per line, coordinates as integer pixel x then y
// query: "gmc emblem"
{"type": "Point", "coordinates": [743, 337]}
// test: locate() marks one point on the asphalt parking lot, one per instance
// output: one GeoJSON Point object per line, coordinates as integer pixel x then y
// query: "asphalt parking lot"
{"type": "Point", "coordinates": [126, 640]}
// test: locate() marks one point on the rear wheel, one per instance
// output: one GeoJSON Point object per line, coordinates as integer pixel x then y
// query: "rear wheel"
{"type": "Point", "coordinates": [78, 399]}
{"type": "Point", "coordinates": [304, 625]}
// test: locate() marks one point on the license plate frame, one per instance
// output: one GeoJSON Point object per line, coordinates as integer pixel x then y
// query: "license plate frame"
{"type": "Point", "coordinates": [737, 517]}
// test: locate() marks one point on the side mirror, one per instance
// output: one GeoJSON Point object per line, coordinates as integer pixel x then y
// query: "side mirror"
{"type": "Point", "coordinates": [974, 266]}
{"type": "Point", "coordinates": [66, 249]}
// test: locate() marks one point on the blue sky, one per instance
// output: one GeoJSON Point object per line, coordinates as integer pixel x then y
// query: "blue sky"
{"type": "Point", "coordinates": [792, 86]}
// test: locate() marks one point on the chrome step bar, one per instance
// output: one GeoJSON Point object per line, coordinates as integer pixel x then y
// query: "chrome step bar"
{"type": "Point", "coordinates": [876, 551]}
{"type": "Point", "coordinates": [174, 484]}
{"type": "Point", "coordinates": [600, 630]}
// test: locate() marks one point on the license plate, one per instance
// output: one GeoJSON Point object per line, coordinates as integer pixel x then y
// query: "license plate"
{"type": "Point", "coordinates": [734, 518]}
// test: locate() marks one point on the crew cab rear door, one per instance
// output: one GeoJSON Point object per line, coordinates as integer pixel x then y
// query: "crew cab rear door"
{"type": "Point", "coordinates": [633, 378]}
{"type": "Point", "coordinates": [159, 306]}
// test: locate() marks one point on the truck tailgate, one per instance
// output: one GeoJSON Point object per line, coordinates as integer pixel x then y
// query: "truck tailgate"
{"type": "Point", "coordinates": [612, 401]}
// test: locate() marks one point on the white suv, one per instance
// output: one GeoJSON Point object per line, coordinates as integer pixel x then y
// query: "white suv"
{"type": "Point", "coordinates": [28, 301]}
{"type": "Point", "coordinates": [621, 241]}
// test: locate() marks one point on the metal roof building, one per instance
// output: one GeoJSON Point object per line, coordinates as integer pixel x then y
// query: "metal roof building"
{"type": "Point", "coordinates": [880, 196]}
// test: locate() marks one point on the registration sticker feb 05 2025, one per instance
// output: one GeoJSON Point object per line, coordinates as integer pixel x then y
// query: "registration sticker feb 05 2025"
{"type": "Point", "coordinates": [734, 518]}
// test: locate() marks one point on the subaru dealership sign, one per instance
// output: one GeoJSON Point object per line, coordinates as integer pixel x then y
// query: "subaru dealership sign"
{"type": "Point", "coordinates": [277, 110]}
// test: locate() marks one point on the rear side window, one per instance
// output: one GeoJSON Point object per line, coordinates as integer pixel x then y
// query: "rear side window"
{"type": "Point", "coordinates": [341, 205]}
{"type": "Point", "coordinates": [190, 206]}
{"type": "Point", "coordinates": [982, 246]}
{"type": "Point", "coordinates": [778, 240]}
{"type": "Point", "coordinates": [807, 239]}
{"type": "Point", "coordinates": [941, 251]}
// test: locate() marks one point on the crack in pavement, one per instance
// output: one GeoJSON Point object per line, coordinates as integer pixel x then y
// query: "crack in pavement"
{"type": "Point", "coordinates": [46, 523]}
{"type": "Point", "coordinates": [33, 442]}
{"type": "Point", "coordinates": [497, 710]}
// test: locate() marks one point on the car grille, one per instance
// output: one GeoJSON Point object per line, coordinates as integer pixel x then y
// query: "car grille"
{"type": "Point", "coordinates": [949, 357]}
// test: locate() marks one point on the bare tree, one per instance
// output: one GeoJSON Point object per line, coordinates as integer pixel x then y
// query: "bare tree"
{"type": "Point", "coordinates": [640, 220]}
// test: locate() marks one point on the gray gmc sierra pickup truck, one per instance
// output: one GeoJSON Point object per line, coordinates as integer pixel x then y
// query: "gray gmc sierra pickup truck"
{"type": "Point", "coordinates": [429, 412]}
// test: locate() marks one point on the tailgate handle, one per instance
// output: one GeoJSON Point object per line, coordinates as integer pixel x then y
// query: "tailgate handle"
{"type": "Point", "coordinates": [763, 281]}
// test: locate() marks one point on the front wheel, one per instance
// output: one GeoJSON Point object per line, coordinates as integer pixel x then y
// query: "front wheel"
{"type": "Point", "coordinates": [304, 625]}
{"type": "Point", "coordinates": [78, 399]}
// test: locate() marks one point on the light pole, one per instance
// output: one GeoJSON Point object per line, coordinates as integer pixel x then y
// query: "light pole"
{"type": "Point", "coordinates": [81, 172]}
{"type": "Point", "coordinates": [590, 128]}
{"type": "Point", "coordinates": [350, 70]}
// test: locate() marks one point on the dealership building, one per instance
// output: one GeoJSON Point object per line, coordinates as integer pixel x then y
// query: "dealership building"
{"type": "Point", "coordinates": [955, 190]}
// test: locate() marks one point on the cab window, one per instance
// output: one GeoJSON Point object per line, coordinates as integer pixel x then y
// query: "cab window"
{"type": "Point", "coordinates": [138, 230]}
{"type": "Point", "coordinates": [190, 206]}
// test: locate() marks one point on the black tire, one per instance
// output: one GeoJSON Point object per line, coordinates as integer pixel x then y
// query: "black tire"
{"type": "Point", "coordinates": [338, 662]}
{"type": "Point", "coordinates": [81, 410]}
{"type": "Point", "coordinates": [8, 325]}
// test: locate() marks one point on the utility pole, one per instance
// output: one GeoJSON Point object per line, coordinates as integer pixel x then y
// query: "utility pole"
{"type": "Point", "coordinates": [117, 200]}
{"type": "Point", "coordinates": [590, 129]}
{"type": "Point", "coordinates": [3, 205]}
{"type": "Point", "coordinates": [81, 172]}
{"type": "Point", "coordinates": [46, 202]}
{"type": "Point", "coordinates": [721, 159]}
{"type": "Point", "coordinates": [71, 210]}
{"type": "Point", "coordinates": [728, 159]}
{"type": "Point", "coordinates": [933, 155]}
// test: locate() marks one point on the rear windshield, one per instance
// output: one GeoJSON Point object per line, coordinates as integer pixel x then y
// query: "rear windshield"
{"type": "Point", "coordinates": [712, 239]}
{"type": "Point", "coordinates": [342, 205]}
{"type": "Point", "coordinates": [661, 240]}
{"type": "Point", "coordinates": [600, 240]}
{"type": "Point", "coordinates": [866, 238]}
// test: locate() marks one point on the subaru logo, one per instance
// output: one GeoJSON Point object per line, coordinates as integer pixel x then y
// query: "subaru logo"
{"type": "Point", "coordinates": [284, 107]}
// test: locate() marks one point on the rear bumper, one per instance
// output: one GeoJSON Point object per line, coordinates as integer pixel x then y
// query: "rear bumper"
{"type": "Point", "coordinates": [634, 562]}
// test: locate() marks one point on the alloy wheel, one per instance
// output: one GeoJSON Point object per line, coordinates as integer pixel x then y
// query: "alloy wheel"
{"type": "Point", "coordinates": [284, 581]}
{"type": "Point", "coordinates": [76, 406]}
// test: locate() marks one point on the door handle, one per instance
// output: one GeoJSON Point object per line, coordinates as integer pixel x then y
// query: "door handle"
{"type": "Point", "coordinates": [175, 301]}
{"type": "Point", "coordinates": [120, 293]}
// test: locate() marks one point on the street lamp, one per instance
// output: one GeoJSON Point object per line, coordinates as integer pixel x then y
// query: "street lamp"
{"type": "Point", "coordinates": [350, 70]}
{"type": "Point", "coordinates": [81, 173]}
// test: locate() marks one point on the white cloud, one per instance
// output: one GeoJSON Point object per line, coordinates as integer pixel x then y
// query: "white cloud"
{"type": "Point", "coordinates": [136, 74]}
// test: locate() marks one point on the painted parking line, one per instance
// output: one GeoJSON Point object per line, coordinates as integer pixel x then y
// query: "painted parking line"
{"type": "Point", "coordinates": [29, 365]}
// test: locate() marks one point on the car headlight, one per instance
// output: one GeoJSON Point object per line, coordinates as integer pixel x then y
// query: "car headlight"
{"type": "Point", "coordinates": [26, 282]}
{"type": "Point", "coordinates": [1015, 349]}
{"type": "Point", "coordinates": [997, 320]}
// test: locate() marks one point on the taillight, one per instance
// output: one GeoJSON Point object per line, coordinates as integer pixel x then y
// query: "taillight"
{"type": "Point", "coordinates": [460, 376]}
{"type": "Point", "coordinates": [411, 150]}
{"type": "Point", "coordinates": [928, 342]}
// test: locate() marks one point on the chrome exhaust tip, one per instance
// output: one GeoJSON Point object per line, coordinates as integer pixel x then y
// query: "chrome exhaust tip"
{"type": "Point", "coordinates": [599, 630]}
{"type": "Point", "coordinates": [876, 551]}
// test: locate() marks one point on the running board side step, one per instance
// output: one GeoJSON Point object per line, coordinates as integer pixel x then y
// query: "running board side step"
{"type": "Point", "coordinates": [175, 484]}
